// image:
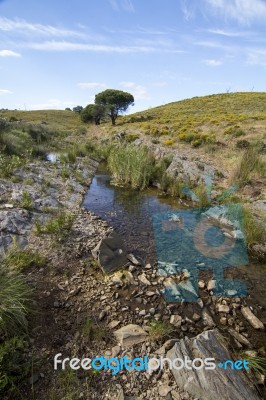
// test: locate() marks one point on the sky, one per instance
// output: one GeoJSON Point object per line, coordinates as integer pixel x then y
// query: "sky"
{"type": "Point", "coordinates": [58, 54]}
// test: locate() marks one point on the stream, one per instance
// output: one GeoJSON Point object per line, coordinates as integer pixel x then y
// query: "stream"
{"type": "Point", "coordinates": [130, 213]}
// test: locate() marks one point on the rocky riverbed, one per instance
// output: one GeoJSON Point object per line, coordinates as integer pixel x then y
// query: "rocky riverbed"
{"type": "Point", "coordinates": [82, 312]}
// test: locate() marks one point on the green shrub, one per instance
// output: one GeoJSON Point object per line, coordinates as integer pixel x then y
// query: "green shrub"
{"type": "Point", "coordinates": [8, 164]}
{"type": "Point", "coordinates": [242, 144]}
{"type": "Point", "coordinates": [159, 329]}
{"type": "Point", "coordinates": [93, 331]}
{"type": "Point", "coordinates": [26, 201]}
{"type": "Point", "coordinates": [59, 226]}
{"type": "Point", "coordinates": [14, 366]}
{"type": "Point", "coordinates": [234, 131]}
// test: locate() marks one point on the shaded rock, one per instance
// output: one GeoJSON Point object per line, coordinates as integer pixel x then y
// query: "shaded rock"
{"type": "Point", "coordinates": [240, 338]}
{"type": "Point", "coordinates": [251, 318]}
{"type": "Point", "coordinates": [130, 334]}
{"type": "Point", "coordinates": [219, 383]}
{"type": "Point", "coordinates": [207, 319]}
{"type": "Point", "coordinates": [110, 253]}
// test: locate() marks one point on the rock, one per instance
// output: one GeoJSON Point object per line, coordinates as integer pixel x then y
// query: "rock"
{"type": "Point", "coordinates": [142, 278]}
{"type": "Point", "coordinates": [201, 284]}
{"type": "Point", "coordinates": [240, 338]}
{"type": "Point", "coordinates": [176, 320]}
{"type": "Point", "coordinates": [133, 259]}
{"type": "Point", "coordinates": [222, 308]}
{"type": "Point", "coordinates": [175, 395]}
{"type": "Point", "coordinates": [223, 321]}
{"type": "Point", "coordinates": [207, 319]}
{"type": "Point", "coordinates": [113, 324]}
{"type": "Point", "coordinates": [164, 390]}
{"type": "Point", "coordinates": [196, 317]}
{"type": "Point", "coordinates": [115, 351]}
{"type": "Point", "coordinates": [110, 253]}
{"type": "Point", "coordinates": [102, 315]}
{"type": "Point", "coordinates": [219, 383]}
{"type": "Point", "coordinates": [251, 318]}
{"type": "Point", "coordinates": [211, 285]}
{"type": "Point", "coordinates": [130, 334]}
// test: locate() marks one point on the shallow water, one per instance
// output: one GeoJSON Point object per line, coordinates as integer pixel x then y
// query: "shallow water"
{"type": "Point", "coordinates": [130, 213]}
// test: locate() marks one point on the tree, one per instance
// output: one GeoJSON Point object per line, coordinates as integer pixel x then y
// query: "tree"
{"type": "Point", "coordinates": [92, 113]}
{"type": "Point", "coordinates": [114, 102]}
{"type": "Point", "coordinates": [78, 109]}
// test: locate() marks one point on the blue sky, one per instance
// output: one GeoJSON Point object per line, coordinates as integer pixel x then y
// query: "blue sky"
{"type": "Point", "coordinates": [56, 54]}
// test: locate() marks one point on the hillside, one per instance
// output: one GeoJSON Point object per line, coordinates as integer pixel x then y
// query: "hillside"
{"type": "Point", "coordinates": [56, 297]}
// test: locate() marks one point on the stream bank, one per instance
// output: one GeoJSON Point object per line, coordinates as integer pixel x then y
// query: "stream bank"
{"type": "Point", "coordinates": [79, 308]}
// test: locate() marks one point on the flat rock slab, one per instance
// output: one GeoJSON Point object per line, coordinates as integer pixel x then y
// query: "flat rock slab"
{"type": "Point", "coordinates": [111, 253]}
{"type": "Point", "coordinates": [130, 334]}
{"type": "Point", "coordinates": [219, 383]}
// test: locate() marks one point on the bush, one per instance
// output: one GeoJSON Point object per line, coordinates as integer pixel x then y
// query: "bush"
{"type": "Point", "coordinates": [14, 366]}
{"type": "Point", "coordinates": [8, 164]}
{"type": "Point", "coordinates": [242, 144]}
{"type": "Point", "coordinates": [234, 131]}
{"type": "Point", "coordinates": [169, 142]}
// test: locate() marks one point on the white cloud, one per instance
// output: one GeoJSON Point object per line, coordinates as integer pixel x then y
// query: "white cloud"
{"type": "Point", "coordinates": [70, 46]}
{"type": "Point", "coordinates": [243, 11]}
{"type": "Point", "coordinates": [91, 85]}
{"type": "Point", "coordinates": [125, 5]}
{"type": "Point", "coordinates": [52, 104]}
{"type": "Point", "coordinates": [22, 26]}
{"type": "Point", "coordinates": [9, 53]}
{"type": "Point", "coordinates": [188, 9]}
{"type": "Point", "coordinates": [213, 63]}
{"type": "Point", "coordinates": [139, 92]}
{"type": "Point", "coordinates": [223, 32]}
{"type": "Point", "coordinates": [257, 57]}
{"type": "Point", "coordinates": [5, 91]}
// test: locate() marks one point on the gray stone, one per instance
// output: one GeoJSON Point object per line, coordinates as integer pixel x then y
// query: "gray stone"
{"type": "Point", "coordinates": [240, 338]}
{"type": "Point", "coordinates": [219, 383]}
{"type": "Point", "coordinates": [110, 253]}
{"type": "Point", "coordinates": [130, 334]}
{"type": "Point", "coordinates": [251, 318]}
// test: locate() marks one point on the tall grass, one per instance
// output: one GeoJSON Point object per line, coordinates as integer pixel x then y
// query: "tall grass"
{"type": "Point", "coordinates": [251, 162]}
{"type": "Point", "coordinates": [14, 300]}
{"type": "Point", "coordinates": [131, 166]}
{"type": "Point", "coordinates": [255, 230]}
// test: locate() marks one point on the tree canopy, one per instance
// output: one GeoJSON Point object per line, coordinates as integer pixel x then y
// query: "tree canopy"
{"type": "Point", "coordinates": [114, 102]}
{"type": "Point", "coordinates": [92, 113]}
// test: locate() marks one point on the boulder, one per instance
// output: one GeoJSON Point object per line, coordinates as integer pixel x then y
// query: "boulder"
{"type": "Point", "coordinates": [218, 383]}
{"type": "Point", "coordinates": [111, 253]}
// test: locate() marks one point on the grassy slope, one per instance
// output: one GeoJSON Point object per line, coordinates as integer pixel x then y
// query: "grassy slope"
{"type": "Point", "coordinates": [221, 119]}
